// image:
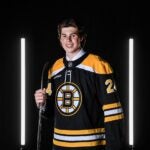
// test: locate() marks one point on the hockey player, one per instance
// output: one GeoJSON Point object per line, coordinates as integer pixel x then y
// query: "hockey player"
{"type": "Point", "coordinates": [87, 111]}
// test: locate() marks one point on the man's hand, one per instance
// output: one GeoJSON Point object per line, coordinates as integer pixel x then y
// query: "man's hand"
{"type": "Point", "coordinates": [40, 97]}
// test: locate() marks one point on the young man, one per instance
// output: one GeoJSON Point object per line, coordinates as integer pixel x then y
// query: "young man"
{"type": "Point", "coordinates": [87, 112]}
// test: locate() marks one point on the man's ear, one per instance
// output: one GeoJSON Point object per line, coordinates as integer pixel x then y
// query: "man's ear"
{"type": "Point", "coordinates": [60, 43]}
{"type": "Point", "coordinates": [81, 39]}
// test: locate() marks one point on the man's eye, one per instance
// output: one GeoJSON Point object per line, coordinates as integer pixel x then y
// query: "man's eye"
{"type": "Point", "coordinates": [74, 35]}
{"type": "Point", "coordinates": [63, 36]}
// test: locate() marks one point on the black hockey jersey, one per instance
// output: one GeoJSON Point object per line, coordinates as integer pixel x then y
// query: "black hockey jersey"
{"type": "Point", "coordinates": [87, 111]}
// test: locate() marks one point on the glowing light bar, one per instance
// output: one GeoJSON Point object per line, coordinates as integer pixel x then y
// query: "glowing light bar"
{"type": "Point", "coordinates": [23, 90]}
{"type": "Point", "coordinates": [131, 92]}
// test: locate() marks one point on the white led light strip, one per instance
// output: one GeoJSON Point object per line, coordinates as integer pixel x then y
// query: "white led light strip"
{"type": "Point", "coordinates": [131, 92]}
{"type": "Point", "coordinates": [23, 90]}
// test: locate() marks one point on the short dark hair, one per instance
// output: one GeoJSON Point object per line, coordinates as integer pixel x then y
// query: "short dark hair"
{"type": "Point", "coordinates": [71, 22]}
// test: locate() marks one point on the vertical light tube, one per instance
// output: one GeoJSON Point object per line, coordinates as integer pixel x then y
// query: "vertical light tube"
{"type": "Point", "coordinates": [131, 92]}
{"type": "Point", "coordinates": [23, 90]}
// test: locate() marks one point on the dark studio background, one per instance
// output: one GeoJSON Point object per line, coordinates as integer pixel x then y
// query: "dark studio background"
{"type": "Point", "coordinates": [109, 26]}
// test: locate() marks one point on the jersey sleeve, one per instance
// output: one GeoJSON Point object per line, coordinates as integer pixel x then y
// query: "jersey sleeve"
{"type": "Point", "coordinates": [111, 106]}
{"type": "Point", "coordinates": [48, 113]}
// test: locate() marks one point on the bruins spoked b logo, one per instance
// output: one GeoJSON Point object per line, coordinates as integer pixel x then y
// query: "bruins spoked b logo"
{"type": "Point", "coordinates": [68, 98]}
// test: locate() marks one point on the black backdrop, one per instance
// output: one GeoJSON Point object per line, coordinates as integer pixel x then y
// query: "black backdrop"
{"type": "Point", "coordinates": [109, 26]}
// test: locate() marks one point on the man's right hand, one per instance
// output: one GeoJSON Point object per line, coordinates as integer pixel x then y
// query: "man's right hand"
{"type": "Point", "coordinates": [40, 97]}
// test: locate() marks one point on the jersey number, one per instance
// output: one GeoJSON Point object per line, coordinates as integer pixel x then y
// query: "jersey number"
{"type": "Point", "coordinates": [110, 88]}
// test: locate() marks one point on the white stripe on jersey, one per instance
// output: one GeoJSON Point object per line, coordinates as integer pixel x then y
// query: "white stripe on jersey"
{"type": "Point", "coordinates": [79, 138]}
{"type": "Point", "coordinates": [57, 71]}
{"type": "Point", "coordinates": [87, 68]}
{"type": "Point", "coordinates": [113, 111]}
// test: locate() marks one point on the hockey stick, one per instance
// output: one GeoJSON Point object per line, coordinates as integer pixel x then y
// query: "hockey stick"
{"type": "Point", "coordinates": [41, 108]}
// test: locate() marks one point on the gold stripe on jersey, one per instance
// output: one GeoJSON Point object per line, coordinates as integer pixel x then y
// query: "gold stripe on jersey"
{"type": "Point", "coordinates": [98, 64]}
{"type": "Point", "coordinates": [113, 118]}
{"type": "Point", "coordinates": [79, 144]}
{"type": "Point", "coordinates": [111, 106]}
{"type": "Point", "coordinates": [79, 132]}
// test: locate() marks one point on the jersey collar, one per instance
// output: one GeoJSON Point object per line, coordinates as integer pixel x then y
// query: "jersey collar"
{"type": "Point", "coordinates": [77, 56]}
{"type": "Point", "coordinates": [71, 64]}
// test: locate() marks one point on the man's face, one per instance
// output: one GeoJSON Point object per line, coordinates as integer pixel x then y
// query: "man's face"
{"type": "Point", "coordinates": [70, 40]}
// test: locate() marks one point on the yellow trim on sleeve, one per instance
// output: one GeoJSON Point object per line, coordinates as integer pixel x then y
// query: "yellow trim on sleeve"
{"type": "Point", "coordinates": [113, 118]}
{"type": "Point", "coordinates": [110, 106]}
{"type": "Point", "coordinates": [79, 132]}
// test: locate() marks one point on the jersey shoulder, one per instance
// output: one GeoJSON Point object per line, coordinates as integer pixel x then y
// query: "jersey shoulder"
{"type": "Point", "coordinates": [98, 64]}
{"type": "Point", "coordinates": [57, 66]}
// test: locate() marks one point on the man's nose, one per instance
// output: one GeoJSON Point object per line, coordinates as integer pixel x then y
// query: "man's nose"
{"type": "Point", "coordinates": [68, 38]}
